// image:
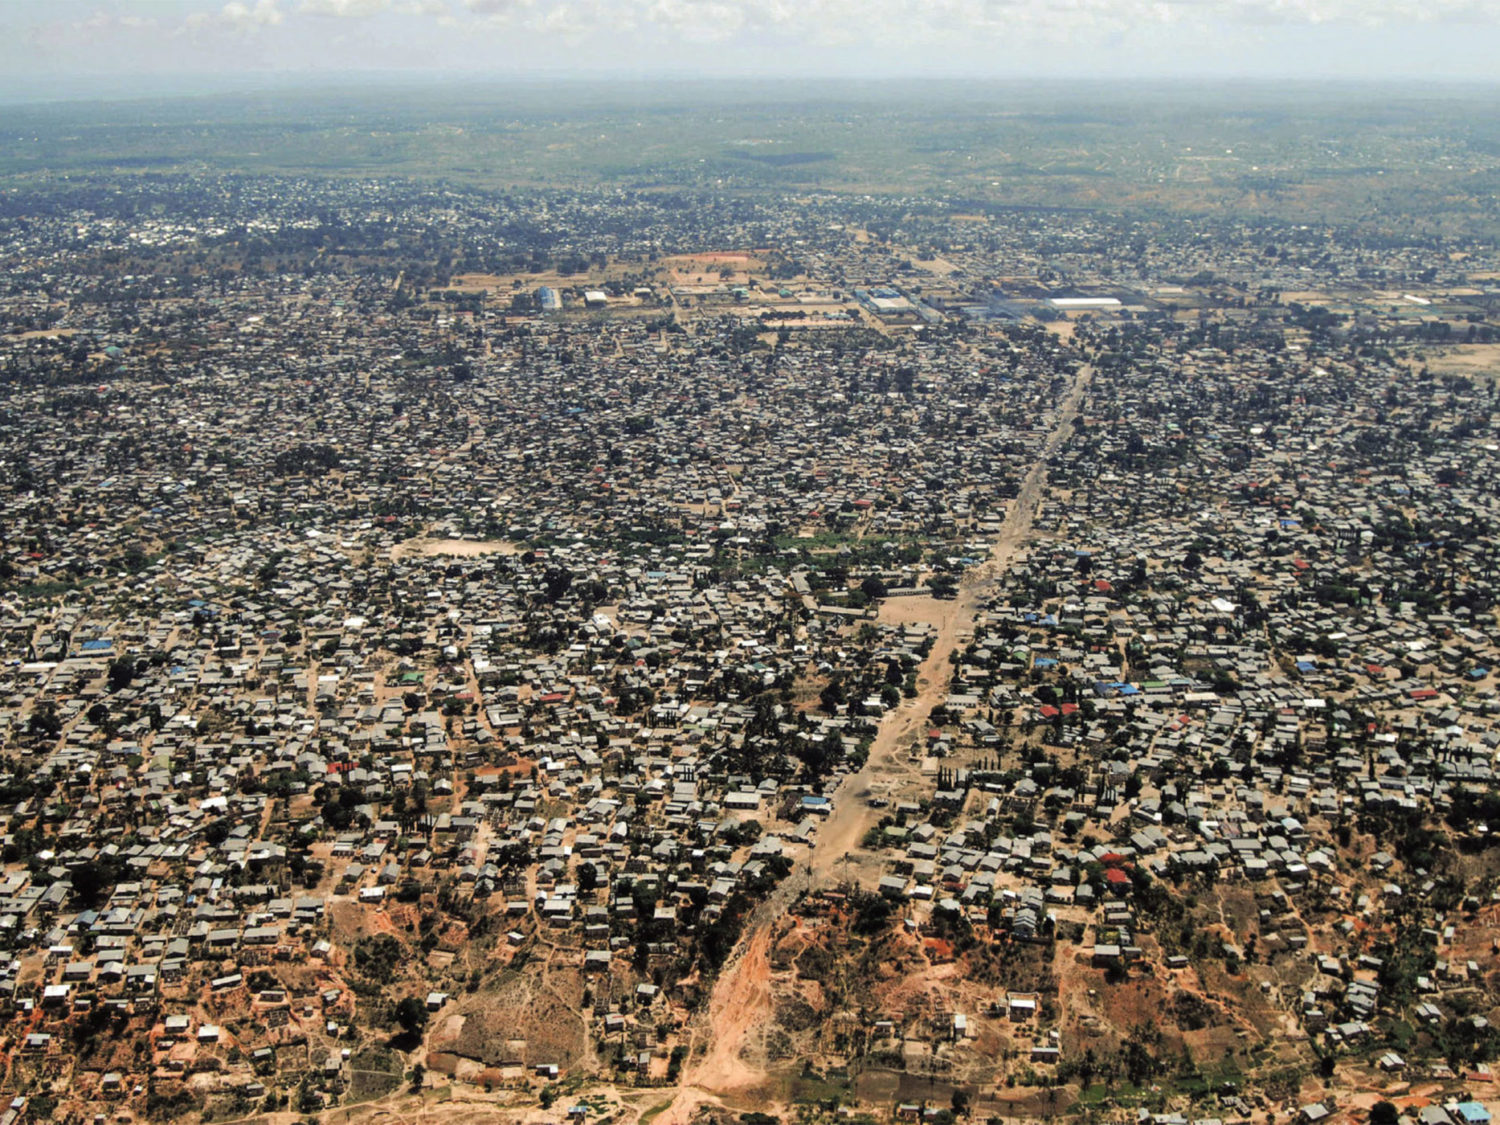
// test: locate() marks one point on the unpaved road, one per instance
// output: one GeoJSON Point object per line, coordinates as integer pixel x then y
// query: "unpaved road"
{"type": "Point", "coordinates": [889, 768]}
{"type": "Point", "coordinates": [742, 997]}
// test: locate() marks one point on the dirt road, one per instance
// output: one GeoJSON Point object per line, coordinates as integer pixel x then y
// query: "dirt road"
{"type": "Point", "coordinates": [742, 999]}
{"type": "Point", "coordinates": [890, 768]}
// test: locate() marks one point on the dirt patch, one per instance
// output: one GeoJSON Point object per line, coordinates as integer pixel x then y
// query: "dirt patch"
{"type": "Point", "coordinates": [917, 611]}
{"type": "Point", "coordinates": [713, 257]}
{"type": "Point", "coordinates": [520, 1021]}
{"type": "Point", "coordinates": [454, 548]}
{"type": "Point", "coordinates": [727, 267]}
{"type": "Point", "coordinates": [1464, 359]}
{"type": "Point", "coordinates": [47, 334]}
{"type": "Point", "coordinates": [741, 1004]}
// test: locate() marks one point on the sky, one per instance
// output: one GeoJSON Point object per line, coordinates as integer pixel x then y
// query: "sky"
{"type": "Point", "coordinates": [58, 49]}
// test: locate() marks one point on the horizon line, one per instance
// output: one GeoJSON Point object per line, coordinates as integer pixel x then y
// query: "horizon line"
{"type": "Point", "coordinates": [100, 88]}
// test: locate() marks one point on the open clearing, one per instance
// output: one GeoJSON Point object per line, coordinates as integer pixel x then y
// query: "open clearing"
{"type": "Point", "coordinates": [731, 267]}
{"type": "Point", "coordinates": [48, 334]}
{"type": "Point", "coordinates": [1464, 359]}
{"type": "Point", "coordinates": [457, 548]}
{"type": "Point", "coordinates": [917, 611]}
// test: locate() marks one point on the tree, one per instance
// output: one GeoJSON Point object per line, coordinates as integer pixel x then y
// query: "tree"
{"type": "Point", "coordinates": [90, 881]}
{"type": "Point", "coordinates": [557, 580]}
{"type": "Point", "coordinates": [121, 672]}
{"type": "Point", "coordinates": [411, 1015]}
{"type": "Point", "coordinates": [832, 696]}
{"type": "Point", "coordinates": [45, 720]}
{"type": "Point", "coordinates": [1383, 1113]}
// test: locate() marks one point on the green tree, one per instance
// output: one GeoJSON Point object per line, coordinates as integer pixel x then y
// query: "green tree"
{"type": "Point", "coordinates": [90, 881]}
{"type": "Point", "coordinates": [411, 1015]}
{"type": "Point", "coordinates": [122, 671]}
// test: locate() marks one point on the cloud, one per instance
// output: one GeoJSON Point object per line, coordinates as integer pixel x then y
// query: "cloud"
{"type": "Point", "coordinates": [104, 20]}
{"type": "Point", "coordinates": [905, 20]}
{"type": "Point", "coordinates": [495, 8]}
{"type": "Point", "coordinates": [344, 9]}
{"type": "Point", "coordinates": [700, 21]}
{"type": "Point", "coordinates": [1374, 13]}
{"type": "Point", "coordinates": [243, 16]}
{"type": "Point", "coordinates": [874, 36]}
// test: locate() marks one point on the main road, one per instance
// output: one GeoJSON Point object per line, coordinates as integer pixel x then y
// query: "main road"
{"type": "Point", "coordinates": [742, 998]}
{"type": "Point", "coordinates": [889, 769]}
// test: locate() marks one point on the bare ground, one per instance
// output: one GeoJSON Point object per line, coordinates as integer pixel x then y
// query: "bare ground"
{"type": "Point", "coordinates": [458, 548]}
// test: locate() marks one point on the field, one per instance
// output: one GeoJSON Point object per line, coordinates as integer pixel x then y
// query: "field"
{"type": "Point", "coordinates": [724, 267]}
{"type": "Point", "coordinates": [1468, 360]}
{"type": "Point", "coordinates": [456, 548]}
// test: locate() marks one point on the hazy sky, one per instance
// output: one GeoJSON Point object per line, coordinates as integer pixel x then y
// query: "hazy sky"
{"type": "Point", "coordinates": [62, 48]}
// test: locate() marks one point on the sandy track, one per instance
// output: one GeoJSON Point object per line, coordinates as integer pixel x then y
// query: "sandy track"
{"type": "Point", "coordinates": [888, 766]}
{"type": "Point", "coordinates": [741, 1003]}
{"type": "Point", "coordinates": [742, 999]}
